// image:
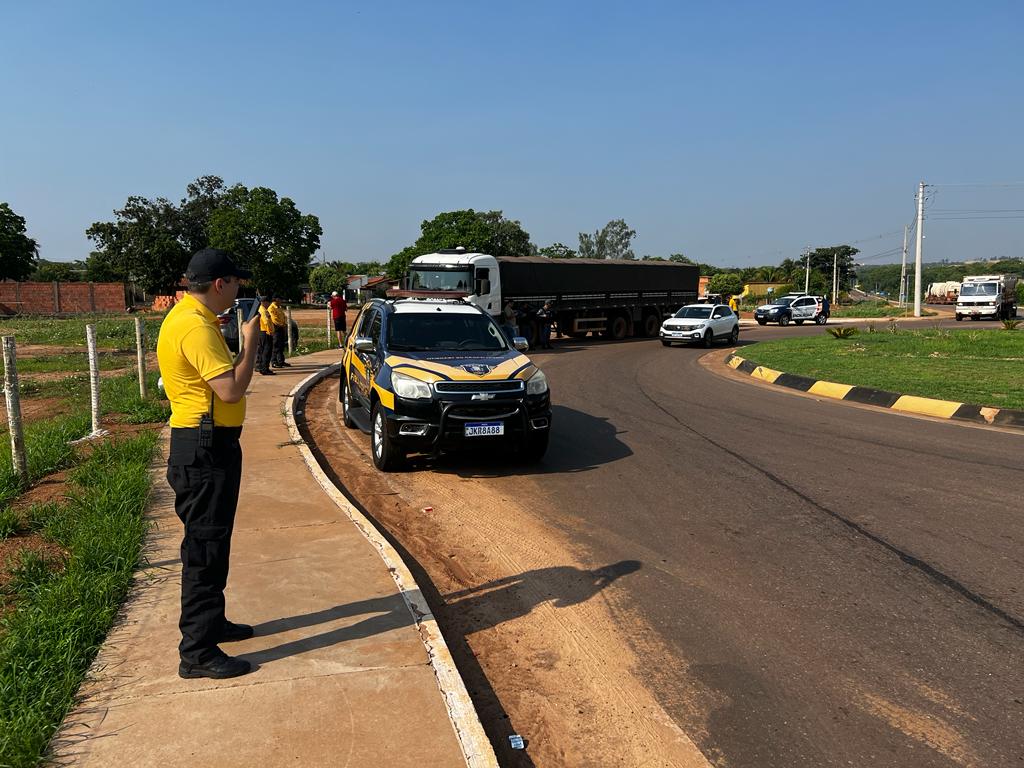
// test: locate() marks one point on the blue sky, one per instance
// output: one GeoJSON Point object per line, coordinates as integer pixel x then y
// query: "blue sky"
{"type": "Point", "coordinates": [735, 133]}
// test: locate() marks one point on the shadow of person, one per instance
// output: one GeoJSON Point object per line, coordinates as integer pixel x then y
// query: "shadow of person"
{"type": "Point", "coordinates": [512, 597]}
{"type": "Point", "coordinates": [388, 613]}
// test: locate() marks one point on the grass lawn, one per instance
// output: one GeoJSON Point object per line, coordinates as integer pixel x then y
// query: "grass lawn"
{"type": "Point", "coordinates": [875, 309]}
{"type": "Point", "coordinates": [982, 367]}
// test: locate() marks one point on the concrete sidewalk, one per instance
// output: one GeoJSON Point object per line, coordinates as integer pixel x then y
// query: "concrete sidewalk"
{"type": "Point", "coordinates": [344, 676]}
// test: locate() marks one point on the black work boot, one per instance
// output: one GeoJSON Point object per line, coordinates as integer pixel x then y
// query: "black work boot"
{"type": "Point", "coordinates": [218, 668]}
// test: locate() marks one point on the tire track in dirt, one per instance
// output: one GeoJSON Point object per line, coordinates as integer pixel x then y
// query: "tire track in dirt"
{"type": "Point", "coordinates": [520, 604]}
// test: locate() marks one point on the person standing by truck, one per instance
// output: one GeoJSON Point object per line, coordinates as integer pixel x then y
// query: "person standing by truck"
{"type": "Point", "coordinates": [545, 316]}
{"type": "Point", "coordinates": [508, 320]}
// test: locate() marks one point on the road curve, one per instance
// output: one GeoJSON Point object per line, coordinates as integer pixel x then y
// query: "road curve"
{"type": "Point", "coordinates": [829, 585]}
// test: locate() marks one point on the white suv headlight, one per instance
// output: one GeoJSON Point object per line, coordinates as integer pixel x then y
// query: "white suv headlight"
{"type": "Point", "coordinates": [537, 384]}
{"type": "Point", "coordinates": [410, 388]}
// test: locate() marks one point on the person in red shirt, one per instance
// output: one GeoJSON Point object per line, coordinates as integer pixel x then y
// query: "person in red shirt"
{"type": "Point", "coordinates": [338, 309]}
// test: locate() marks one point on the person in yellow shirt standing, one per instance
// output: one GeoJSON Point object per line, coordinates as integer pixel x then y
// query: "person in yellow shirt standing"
{"type": "Point", "coordinates": [280, 320]}
{"type": "Point", "coordinates": [266, 342]}
{"type": "Point", "coordinates": [206, 389]}
{"type": "Point", "coordinates": [734, 305]}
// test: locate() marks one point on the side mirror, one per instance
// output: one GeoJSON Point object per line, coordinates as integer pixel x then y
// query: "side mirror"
{"type": "Point", "coordinates": [365, 344]}
{"type": "Point", "coordinates": [520, 343]}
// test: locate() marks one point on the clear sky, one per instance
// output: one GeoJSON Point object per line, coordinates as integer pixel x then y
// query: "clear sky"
{"type": "Point", "coordinates": [736, 133]}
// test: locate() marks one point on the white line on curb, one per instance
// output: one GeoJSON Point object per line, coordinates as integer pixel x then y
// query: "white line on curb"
{"type": "Point", "coordinates": [476, 748]}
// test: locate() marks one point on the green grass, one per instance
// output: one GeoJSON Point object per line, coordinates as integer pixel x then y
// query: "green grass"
{"type": "Point", "coordinates": [48, 449]}
{"type": "Point", "coordinates": [308, 346]}
{"type": "Point", "coordinates": [981, 367]}
{"type": "Point", "coordinates": [73, 363]}
{"type": "Point", "coordinates": [62, 614]}
{"type": "Point", "coordinates": [117, 331]}
{"type": "Point", "coordinates": [874, 309]}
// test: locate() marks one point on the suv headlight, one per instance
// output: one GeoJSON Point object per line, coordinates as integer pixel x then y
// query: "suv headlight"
{"type": "Point", "coordinates": [537, 384]}
{"type": "Point", "coordinates": [410, 388]}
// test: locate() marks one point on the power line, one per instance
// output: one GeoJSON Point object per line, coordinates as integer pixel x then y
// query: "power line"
{"type": "Point", "coordinates": [982, 184]}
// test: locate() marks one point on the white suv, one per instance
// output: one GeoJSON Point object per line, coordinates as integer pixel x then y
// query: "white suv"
{"type": "Point", "coordinates": [704, 323]}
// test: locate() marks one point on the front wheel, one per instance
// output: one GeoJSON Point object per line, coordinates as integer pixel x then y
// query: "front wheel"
{"type": "Point", "coordinates": [346, 403]}
{"type": "Point", "coordinates": [799, 322]}
{"type": "Point", "coordinates": [708, 340]}
{"type": "Point", "coordinates": [386, 456]}
{"type": "Point", "coordinates": [959, 317]}
{"type": "Point", "coordinates": [821, 319]}
{"type": "Point", "coordinates": [666, 343]}
{"type": "Point", "coordinates": [734, 337]}
{"type": "Point", "coordinates": [762, 322]}
{"type": "Point", "coordinates": [784, 321]}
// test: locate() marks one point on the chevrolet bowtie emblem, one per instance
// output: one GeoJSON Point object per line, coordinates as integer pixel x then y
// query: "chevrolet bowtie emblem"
{"type": "Point", "coordinates": [483, 396]}
{"type": "Point", "coordinates": [479, 370]}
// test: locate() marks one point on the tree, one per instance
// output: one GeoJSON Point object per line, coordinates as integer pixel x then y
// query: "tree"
{"type": "Point", "coordinates": [53, 271]}
{"type": "Point", "coordinates": [100, 268]}
{"type": "Point", "coordinates": [144, 243]}
{"type": "Point", "coordinates": [822, 262]}
{"type": "Point", "coordinates": [726, 283]}
{"type": "Point", "coordinates": [269, 235]}
{"type": "Point", "coordinates": [487, 232]}
{"type": "Point", "coordinates": [18, 251]}
{"type": "Point", "coordinates": [610, 242]}
{"type": "Point", "coordinates": [680, 259]}
{"type": "Point", "coordinates": [325, 278]}
{"type": "Point", "coordinates": [557, 251]}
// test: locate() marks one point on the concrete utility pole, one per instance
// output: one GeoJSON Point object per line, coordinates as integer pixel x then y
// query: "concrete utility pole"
{"type": "Point", "coordinates": [835, 276]}
{"type": "Point", "coordinates": [903, 267]}
{"type": "Point", "coordinates": [807, 270]}
{"type": "Point", "coordinates": [920, 243]}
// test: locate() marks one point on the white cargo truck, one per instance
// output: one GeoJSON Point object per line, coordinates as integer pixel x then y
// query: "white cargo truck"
{"type": "Point", "coordinates": [987, 296]}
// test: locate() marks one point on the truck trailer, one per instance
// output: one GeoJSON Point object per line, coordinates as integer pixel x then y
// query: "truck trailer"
{"type": "Point", "coordinates": [987, 296]}
{"type": "Point", "coordinates": [609, 298]}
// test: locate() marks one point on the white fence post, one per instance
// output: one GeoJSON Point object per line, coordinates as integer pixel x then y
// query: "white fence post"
{"type": "Point", "coordinates": [330, 325]}
{"type": "Point", "coordinates": [18, 458]}
{"type": "Point", "coordinates": [290, 346]}
{"type": "Point", "coordinates": [94, 376]}
{"type": "Point", "coordinates": [140, 347]}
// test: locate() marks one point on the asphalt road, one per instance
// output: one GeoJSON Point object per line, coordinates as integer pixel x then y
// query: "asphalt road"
{"type": "Point", "coordinates": [829, 585]}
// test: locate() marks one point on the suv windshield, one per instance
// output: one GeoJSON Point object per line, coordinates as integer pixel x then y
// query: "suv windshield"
{"type": "Point", "coordinates": [426, 279]}
{"type": "Point", "coordinates": [436, 331]}
{"type": "Point", "coordinates": [978, 289]}
{"type": "Point", "coordinates": [695, 313]}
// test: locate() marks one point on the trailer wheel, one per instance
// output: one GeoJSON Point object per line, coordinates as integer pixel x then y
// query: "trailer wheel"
{"type": "Point", "coordinates": [959, 317]}
{"type": "Point", "coordinates": [650, 325]}
{"type": "Point", "coordinates": [617, 328]}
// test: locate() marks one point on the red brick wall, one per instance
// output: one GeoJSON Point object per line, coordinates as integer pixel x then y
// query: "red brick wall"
{"type": "Point", "coordinates": [60, 298]}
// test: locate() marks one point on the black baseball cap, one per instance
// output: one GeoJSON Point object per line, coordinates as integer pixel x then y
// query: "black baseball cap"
{"type": "Point", "coordinates": [210, 263]}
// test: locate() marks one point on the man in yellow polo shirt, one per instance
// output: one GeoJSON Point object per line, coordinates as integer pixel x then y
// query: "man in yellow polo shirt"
{"type": "Point", "coordinates": [204, 467]}
{"type": "Point", "coordinates": [281, 330]}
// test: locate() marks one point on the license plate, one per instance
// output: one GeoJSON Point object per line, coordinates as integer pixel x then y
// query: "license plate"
{"type": "Point", "coordinates": [485, 429]}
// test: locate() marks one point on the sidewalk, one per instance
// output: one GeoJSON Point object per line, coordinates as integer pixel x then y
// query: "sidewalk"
{"type": "Point", "coordinates": [343, 675]}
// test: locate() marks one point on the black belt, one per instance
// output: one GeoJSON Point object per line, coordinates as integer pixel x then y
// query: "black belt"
{"type": "Point", "coordinates": [220, 431]}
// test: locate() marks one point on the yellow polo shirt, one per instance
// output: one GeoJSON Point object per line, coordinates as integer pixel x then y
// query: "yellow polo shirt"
{"type": "Point", "coordinates": [277, 314]}
{"type": "Point", "coordinates": [266, 324]}
{"type": "Point", "coordinates": [191, 351]}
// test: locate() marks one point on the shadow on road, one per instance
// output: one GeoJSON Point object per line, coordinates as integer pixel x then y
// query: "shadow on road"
{"type": "Point", "coordinates": [579, 442]}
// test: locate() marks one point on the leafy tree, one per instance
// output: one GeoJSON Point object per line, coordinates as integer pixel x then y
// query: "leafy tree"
{"type": "Point", "coordinates": [557, 251]}
{"type": "Point", "coordinates": [100, 268]}
{"type": "Point", "coordinates": [202, 197]}
{"type": "Point", "coordinates": [144, 243]}
{"type": "Point", "coordinates": [365, 268]}
{"type": "Point", "coordinates": [680, 259]}
{"type": "Point", "coordinates": [612, 241]}
{"type": "Point", "coordinates": [269, 235]}
{"type": "Point", "coordinates": [488, 232]}
{"type": "Point", "coordinates": [62, 271]}
{"type": "Point", "coordinates": [648, 257]}
{"type": "Point", "coordinates": [18, 251]}
{"type": "Point", "coordinates": [728, 283]}
{"type": "Point", "coordinates": [325, 278]}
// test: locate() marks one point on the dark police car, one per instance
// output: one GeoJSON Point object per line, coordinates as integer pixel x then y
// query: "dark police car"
{"type": "Point", "coordinates": [424, 375]}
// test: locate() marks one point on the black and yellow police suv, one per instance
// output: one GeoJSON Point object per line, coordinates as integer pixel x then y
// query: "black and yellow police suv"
{"type": "Point", "coordinates": [425, 375]}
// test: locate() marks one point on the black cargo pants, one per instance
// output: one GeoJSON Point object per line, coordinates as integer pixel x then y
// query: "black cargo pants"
{"type": "Point", "coordinates": [205, 482]}
{"type": "Point", "coordinates": [280, 344]}
{"type": "Point", "coordinates": [264, 351]}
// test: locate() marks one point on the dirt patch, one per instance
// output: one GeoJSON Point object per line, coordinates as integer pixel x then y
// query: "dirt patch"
{"type": "Point", "coordinates": [35, 409]}
{"type": "Point", "coordinates": [537, 629]}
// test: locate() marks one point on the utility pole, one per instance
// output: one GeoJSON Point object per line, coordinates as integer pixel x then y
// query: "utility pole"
{"type": "Point", "coordinates": [920, 243]}
{"type": "Point", "coordinates": [807, 270]}
{"type": "Point", "coordinates": [835, 276]}
{"type": "Point", "coordinates": [903, 268]}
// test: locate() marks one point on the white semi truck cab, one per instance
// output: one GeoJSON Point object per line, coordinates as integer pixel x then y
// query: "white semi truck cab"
{"type": "Point", "coordinates": [464, 274]}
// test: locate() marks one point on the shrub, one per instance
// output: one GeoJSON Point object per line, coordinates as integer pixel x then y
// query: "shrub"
{"type": "Point", "coordinates": [843, 332]}
{"type": "Point", "coordinates": [1010, 325]}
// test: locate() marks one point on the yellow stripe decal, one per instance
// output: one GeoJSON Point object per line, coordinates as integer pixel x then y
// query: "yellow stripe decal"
{"type": "Point", "coordinates": [927, 406]}
{"type": "Point", "coordinates": [387, 399]}
{"type": "Point", "coordinates": [766, 374]}
{"type": "Point", "coordinates": [735, 362]}
{"type": "Point", "coordinates": [416, 373]}
{"type": "Point", "coordinates": [456, 373]}
{"type": "Point", "coordinates": [828, 389]}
